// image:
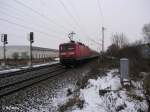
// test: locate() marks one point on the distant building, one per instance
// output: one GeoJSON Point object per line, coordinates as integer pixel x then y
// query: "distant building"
{"type": "Point", "coordinates": [23, 52]}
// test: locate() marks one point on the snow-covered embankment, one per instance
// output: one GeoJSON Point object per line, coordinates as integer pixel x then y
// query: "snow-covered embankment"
{"type": "Point", "coordinates": [114, 99]}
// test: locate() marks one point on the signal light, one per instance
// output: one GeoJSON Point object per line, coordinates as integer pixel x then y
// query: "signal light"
{"type": "Point", "coordinates": [4, 38]}
{"type": "Point", "coordinates": [31, 37]}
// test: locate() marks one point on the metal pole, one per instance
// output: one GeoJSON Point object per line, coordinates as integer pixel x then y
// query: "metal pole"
{"type": "Point", "coordinates": [102, 53]}
{"type": "Point", "coordinates": [4, 48]}
{"type": "Point", "coordinates": [103, 39]}
{"type": "Point", "coordinates": [30, 53]}
{"type": "Point", "coordinates": [31, 39]}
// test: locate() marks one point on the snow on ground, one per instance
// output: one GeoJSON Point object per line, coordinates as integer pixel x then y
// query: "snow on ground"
{"type": "Point", "coordinates": [61, 98]}
{"type": "Point", "coordinates": [9, 70]}
{"type": "Point", "coordinates": [56, 59]}
{"type": "Point", "coordinates": [25, 67]}
{"type": "Point", "coordinates": [58, 99]}
{"type": "Point", "coordinates": [53, 62]}
{"type": "Point", "coordinates": [112, 101]}
{"type": "Point", "coordinates": [48, 104]}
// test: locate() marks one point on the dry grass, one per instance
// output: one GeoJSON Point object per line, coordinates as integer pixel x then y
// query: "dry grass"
{"type": "Point", "coordinates": [136, 97]}
{"type": "Point", "coordinates": [81, 84]}
{"type": "Point", "coordinates": [72, 102]}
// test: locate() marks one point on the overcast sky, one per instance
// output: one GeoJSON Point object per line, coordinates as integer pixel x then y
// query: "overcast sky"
{"type": "Point", "coordinates": [52, 20]}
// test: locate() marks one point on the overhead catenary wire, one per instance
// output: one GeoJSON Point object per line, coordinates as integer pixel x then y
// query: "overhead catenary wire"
{"type": "Point", "coordinates": [24, 21]}
{"type": "Point", "coordinates": [100, 11]}
{"type": "Point", "coordinates": [102, 27]}
{"type": "Point", "coordinates": [67, 11]}
{"type": "Point", "coordinates": [66, 21]}
{"type": "Point", "coordinates": [71, 26]}
{"type": "Point", "coordinates": [27, 27]}
{"type": "Point", "coordinates": [71, 16]}
{"type": "Point", "coordinates": [79, 20]}
{"type": "Point", "coordinates": [77, 16]}
{"type": "Point", "coordinates": [44, 15]}
{"type": "Point", "coordinates": [23, 15]}
{"type": "Point", "coordinates": [14, 8]}
{"type": "Point", "coordinates": [75, 11]}
{"type": "Point", "coordinates": [41, 15]}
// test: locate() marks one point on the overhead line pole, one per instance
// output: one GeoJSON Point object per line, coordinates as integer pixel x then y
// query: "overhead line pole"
{"type": "Point", "coordinates": [103, 49]}
{"type": "Point", "coordinates": [103, 41]}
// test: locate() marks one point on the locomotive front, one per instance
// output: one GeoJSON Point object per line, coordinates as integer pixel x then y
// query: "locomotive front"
{"type": "Point", "coordinates": [67, 53]}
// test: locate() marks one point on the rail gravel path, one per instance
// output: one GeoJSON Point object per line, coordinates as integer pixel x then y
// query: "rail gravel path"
{"type": "Point", "coordinates": [47, 95]}
{"type": "Point", "coordinates": [14, 81]}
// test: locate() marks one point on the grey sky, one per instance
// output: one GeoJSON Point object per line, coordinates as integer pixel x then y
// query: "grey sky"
{"type": "Point", "coordinates": [51, 21]}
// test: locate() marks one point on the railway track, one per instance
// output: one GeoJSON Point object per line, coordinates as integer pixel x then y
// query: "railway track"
{"type": "Point", "coordinates": [25, 70]}
{"type": "Point", "coordinates": [15, 81]}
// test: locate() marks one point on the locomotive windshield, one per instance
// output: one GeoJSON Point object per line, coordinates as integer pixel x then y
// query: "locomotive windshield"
{"type": "Point", "coordinates": [67, 47]}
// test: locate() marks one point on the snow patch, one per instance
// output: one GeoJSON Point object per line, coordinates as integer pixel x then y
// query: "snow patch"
{"type": "Point", "coordinates": [9, 70]}
{"type": "Point", "coordinates": [112, 101]}
{"type": "Point", "coordinates": [25, 67]}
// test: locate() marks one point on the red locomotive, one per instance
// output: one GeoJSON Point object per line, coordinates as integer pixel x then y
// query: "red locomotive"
{"type": "Point", "coordinates": [72, 52]}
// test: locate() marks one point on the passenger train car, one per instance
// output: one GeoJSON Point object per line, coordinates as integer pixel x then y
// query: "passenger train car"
{"type": "Point", "coordinates": [73, 52]}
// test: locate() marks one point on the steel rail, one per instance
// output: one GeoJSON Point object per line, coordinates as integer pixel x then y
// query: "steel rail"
{"type": "Point", "coordinates": [25, 70]}
{"type": "Point", "coordinates": [14, 87]}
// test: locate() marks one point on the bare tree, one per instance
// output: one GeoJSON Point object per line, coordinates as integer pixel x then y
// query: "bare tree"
{"type": "Point", "coordinates": [113, 50]}
{"type": "Point", "coordinates": [120, 40]}
{"type": "Point", "coordinates": [146, 32]}
{"type": "Point", "coordinates": [138, 42]}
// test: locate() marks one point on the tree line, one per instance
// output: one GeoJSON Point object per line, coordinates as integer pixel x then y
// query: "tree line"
{"type": "Point", "coordinates": [121, 42]}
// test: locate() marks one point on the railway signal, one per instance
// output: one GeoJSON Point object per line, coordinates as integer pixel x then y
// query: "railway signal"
{"type": "Point", "coordinates": [31, 39]}
{"type": "Point", "coordinates": [4, 40]}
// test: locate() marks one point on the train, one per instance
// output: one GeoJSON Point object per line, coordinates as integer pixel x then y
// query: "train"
{"type": "Point", "coordinates": [72, 53]}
